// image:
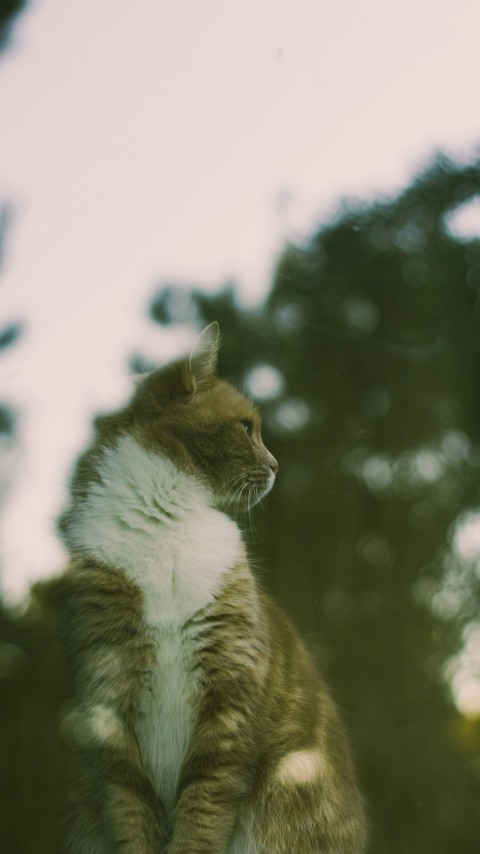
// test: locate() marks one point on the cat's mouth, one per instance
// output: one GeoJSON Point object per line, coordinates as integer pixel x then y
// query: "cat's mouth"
{"type": "Point", "coordinates": [246, 490]}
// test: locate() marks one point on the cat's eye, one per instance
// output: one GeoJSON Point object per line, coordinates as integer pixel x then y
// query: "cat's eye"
{"type": "Point", "coordinates": [247, 426]}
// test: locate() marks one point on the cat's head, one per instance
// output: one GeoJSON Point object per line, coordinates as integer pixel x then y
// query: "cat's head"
{"type": "Point", "coordinates": [202, 423]}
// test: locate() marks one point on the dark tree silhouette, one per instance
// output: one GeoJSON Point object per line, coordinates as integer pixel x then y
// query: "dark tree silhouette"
{"type": "Point", "coordinates": [9, 10]}
{"type": "Point", "coordinates": [371, 336]}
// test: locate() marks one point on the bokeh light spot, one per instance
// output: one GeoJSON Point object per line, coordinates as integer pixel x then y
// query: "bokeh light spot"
{"type": "Point", "coordinates": [264, 382]}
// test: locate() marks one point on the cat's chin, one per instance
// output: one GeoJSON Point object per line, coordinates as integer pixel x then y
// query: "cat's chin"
{"type": "Point", "coordinates": [268, 487]}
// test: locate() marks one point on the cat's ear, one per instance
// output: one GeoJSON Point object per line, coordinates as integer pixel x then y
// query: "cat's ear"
{"type": "Point", "coordinates": [204, 355]}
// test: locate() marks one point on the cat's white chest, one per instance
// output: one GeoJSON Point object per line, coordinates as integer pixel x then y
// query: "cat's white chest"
{"type": "Point", "coordinates": [149, 518]}
{"type": "Point", "coordinates": [185, 565]}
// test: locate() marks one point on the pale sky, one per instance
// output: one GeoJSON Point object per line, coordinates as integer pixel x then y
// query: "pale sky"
{"type": "Point", "coordinates": [155, 141]}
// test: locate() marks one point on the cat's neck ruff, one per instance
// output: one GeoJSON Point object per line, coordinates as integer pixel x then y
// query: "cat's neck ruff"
{"type": "Point", "coordinates": [146, 516]}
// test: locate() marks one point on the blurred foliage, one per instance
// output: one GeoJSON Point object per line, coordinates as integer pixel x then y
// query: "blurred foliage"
{"type": "Point", "coordinates": [365, 360]}
{"type": "Point", "coordinates": [32, 755]}
{"type": "Point", "coordinates": [9, 9]}
{"type": "Point", "coordinates": [8, 333]}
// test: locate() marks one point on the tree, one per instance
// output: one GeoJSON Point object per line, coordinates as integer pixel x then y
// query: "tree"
{"type": "Point", "coordinates": [369, 349]}
{"type": "Point", "coordinates": [9, 10]}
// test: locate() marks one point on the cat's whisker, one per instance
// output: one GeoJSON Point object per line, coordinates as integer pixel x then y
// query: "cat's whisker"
{"type": "Point", "coordinates": [253, 497]}
{"type": "Point", "coordinates": [231, 494]}
{"type": "Point", "coordinates": [243, 495]}
{"type": "Point", "coordinates": [240, 494]}
{"type": "Point", "coordinates": [239, 484]}
{"type": "Point", "coordinates": [238, 497]}
{"type": "Point", "coordinates": [231, 497]}
{"type": "Point", "coordinates": [235, 479]}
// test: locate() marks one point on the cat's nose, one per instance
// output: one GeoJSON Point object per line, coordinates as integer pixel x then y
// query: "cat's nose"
{"type": "Point", "coordinates": [273, 464]}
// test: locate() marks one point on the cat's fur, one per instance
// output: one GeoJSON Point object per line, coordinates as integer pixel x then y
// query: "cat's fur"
{"type": "Point", "coordinates": [200, 723]}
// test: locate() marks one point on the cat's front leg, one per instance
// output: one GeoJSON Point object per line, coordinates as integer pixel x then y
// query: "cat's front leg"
{"type": "Point", "coordinates": [211, 790]}
{"type": "Point", "coordinates": [116, 806]}
{"type": "Point", "coordinates": [136, 823]}
{"type": "Point", "coordinates": [212, 786]}
{"type": "Point", "coordinates": [219, 768]}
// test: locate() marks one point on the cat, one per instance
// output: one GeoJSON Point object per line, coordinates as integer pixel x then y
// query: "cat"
{"type": "Point", "coordinates": [199, 723]}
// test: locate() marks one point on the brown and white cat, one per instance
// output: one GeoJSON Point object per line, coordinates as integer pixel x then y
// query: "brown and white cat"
{"type": "Point", "coordinates": [200, 723]}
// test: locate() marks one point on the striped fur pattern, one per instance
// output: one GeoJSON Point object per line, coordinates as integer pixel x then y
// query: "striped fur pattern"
{"type": "Point", "coordinates": [199, 723]}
